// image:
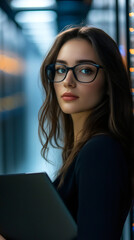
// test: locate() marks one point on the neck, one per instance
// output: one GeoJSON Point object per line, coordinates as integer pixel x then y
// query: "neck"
{"type": "Point", "coordinates": [78, 124]}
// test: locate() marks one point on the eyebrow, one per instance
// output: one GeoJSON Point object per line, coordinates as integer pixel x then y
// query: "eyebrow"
{"type": "Point", "coordinates": [77, 61]}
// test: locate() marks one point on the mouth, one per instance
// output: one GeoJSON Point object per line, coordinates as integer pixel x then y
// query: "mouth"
{"type": "Point", "coordinates": [69, 97]}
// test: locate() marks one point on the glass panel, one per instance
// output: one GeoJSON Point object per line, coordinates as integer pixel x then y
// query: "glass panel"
{"type": "Point", "coordinates": [131, 69]}
{"type": "Point", "coordinates": [129, 62]}
{"type": "Point", "coordinates": [131, 34]}
{"type": "Point", "coordinates": [122, 30]}
{"type": "Point", "coordinates": [103, 15]}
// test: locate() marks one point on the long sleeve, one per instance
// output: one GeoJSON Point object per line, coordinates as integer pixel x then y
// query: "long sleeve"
{"type": "Point", "coordinates": [101, 178]}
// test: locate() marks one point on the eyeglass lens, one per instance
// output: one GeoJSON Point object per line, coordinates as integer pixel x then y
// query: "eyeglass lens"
{"type": "Point", "coordinates": [83, 72]}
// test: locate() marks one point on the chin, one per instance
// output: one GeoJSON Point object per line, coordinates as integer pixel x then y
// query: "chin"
{"type": "Point", "coordinates": [69, 111]}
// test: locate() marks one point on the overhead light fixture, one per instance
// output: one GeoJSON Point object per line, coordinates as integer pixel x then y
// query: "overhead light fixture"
{"type": "Point", "coordinates": [40, 31]}
{"type": "Point", "coordinates": [52, 26]}
{"type": "Point", "coordinates": [33, 4]}
{"type": "Point", "coordinates": [35, 16]}
{"type": "Point", "coordinates": [38, 25]}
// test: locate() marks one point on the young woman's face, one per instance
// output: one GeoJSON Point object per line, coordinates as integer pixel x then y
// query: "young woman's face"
{"type": "Point", "coordinates": [85, 95]}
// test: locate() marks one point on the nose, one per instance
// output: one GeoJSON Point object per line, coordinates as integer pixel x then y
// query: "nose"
{"type": "Point", "coordinates": [70, 81]}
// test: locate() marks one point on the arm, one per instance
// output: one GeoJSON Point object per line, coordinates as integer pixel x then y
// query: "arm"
{"type": "Point", "coordinates": [99, 177]}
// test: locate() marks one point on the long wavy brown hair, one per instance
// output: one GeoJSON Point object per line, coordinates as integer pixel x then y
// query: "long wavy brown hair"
{"type": "Point", "coordinates": [113, 115]}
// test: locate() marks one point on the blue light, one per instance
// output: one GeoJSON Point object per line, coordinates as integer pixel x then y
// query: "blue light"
{"type": "Point", "coordinates": [122, 50]}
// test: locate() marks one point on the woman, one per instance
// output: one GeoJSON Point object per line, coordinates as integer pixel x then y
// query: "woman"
{"type": "Point", "coordinates": [88, 108]}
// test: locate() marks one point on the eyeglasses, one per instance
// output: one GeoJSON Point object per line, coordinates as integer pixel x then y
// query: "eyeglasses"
{"type": "Point", "coordinates": [83, 72]}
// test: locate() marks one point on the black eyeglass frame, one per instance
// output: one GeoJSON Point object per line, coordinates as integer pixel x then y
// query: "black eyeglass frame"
{"type": "Point", "coordinates": [73, 70]}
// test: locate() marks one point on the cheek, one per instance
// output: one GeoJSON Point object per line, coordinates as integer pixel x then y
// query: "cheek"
{"type": "Point", "coordinates": [93, 93]}
{"type": "Point", "coordinates": [56, 88]}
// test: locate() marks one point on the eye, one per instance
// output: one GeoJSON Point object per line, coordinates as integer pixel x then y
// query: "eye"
{"type": "Point", "coordinates": [86, 71]}
{"type": "Point", "coordinates": [60, 70]}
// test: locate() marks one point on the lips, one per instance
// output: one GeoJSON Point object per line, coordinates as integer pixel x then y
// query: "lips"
{"type": "Point", "coordinates": [69, 97]}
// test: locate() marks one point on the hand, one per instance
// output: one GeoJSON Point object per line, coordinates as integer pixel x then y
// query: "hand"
{"type": "Point", "coordinates": [1, 238]}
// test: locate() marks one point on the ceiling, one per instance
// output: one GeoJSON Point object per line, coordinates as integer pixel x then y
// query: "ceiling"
{"type": "Point", "coordinates": [41, 20]}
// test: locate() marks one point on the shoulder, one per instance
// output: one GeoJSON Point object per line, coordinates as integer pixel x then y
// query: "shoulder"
{"type": "Point", "coordinates": [99, 151]}
{"type": "Point", "coordinates": [101, 141]}
{"type": "Point", "coordinates": [101, 144]}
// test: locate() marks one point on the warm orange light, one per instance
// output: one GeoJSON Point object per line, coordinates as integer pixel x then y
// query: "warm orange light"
{"type": "Point", "coordinates": [131, 14]}
{"type": "Point", "coordinates": [132, 224]}
{"type": "Point", "coordinates": [131, 29]}
{"type": "Point", "coordinates": [11, 102]}
{"type": "Point", "coordinates": [132, 90]}
{"type": "Point", "coordinates": [131, 50]}
{"type": "Point", "coordinates": [11, 65]}
{"type": "Point", "coordinates": [131, 69]}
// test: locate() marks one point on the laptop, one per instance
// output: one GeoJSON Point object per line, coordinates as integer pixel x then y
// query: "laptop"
{"type": "Point", "coordinates": [31, 209]}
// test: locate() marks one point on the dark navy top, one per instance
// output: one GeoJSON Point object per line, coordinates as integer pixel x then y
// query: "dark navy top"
{"type": "Point", "coordinates": [96, 189]}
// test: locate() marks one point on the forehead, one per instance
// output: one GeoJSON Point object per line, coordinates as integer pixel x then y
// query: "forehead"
{"type": "Point", "coordinates": [77, 49]}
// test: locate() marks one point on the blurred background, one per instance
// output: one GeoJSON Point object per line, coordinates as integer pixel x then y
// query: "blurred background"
{"type": "Point", "coordinates": [27, 31]}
